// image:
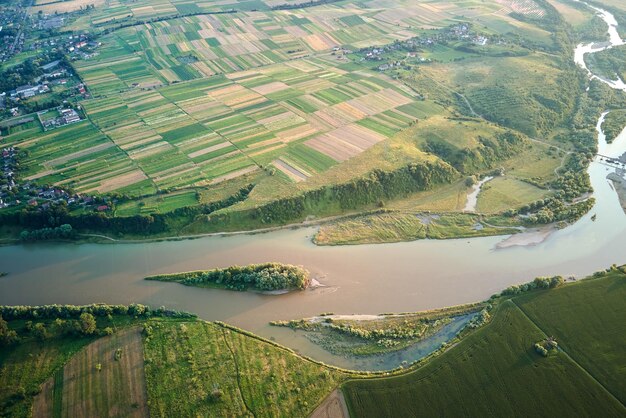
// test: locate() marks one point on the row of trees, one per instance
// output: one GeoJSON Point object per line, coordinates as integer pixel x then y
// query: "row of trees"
{"type": "Point", "coordinates": [97, 310]}
{"type": "Point", "coordinates": [58, 222]}
{"type": "Point", "coordinates": [538, 283]}
{"type": "Point", "coordinates": [85, 325]}
{"type": "Point", "coordinates": [64, 231]}
{"type": "Point", "coordinates": [378, 185]}
{"type": "Point", "coordinates": [266, 276]}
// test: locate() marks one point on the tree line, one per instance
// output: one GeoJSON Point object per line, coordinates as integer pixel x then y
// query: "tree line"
{"type": "Point", "coordinates": [69, 320]}
{"type": "Point", "coordinates": [374, 187]}
{"type": "Point", "coordinates": [98, 310]}
{"type": "Point", "coordinates": [62, 232]}
{"type": "Point", "coordinates": [57, 220]}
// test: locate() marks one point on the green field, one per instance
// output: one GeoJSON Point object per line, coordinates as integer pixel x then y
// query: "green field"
{"type": "Point", "coordinates": [161, 366]}
{"type": "Point", "coordinates": [186, 362]}
{"type": "Point", "coordinates": [503, 193]}
{"type": "Point", "coordinates": [495, 371]}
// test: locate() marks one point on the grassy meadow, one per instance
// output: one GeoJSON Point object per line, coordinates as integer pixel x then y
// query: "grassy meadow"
{"type": "Point", "coordinates": [158, 367]}
{"type": "Point", "coordinates": [496, 370]}
{"type": "Point", "coordinates": [187, 362]}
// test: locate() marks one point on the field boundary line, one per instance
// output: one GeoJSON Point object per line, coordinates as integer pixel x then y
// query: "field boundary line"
{"type": "Point", "coordinates": [570, 357]}
{"type": "Point", "coordinates": [232, 352]}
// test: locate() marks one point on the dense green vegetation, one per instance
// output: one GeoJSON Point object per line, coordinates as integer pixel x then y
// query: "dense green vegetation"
{"type": "Point", "coordinates": [375, 187]}
{"type": "Point", "coordinates": [62, 232]}
{"type": "Point", "coordinates": [501, 371]}
{"type": "Point", "coordinates": [37, 341]}
{"type": "Point", "coordinates": [614, 124]}
{"type": "Point", "coordinates": [374, 336]}
{"type": "Point", "coordinates": [610, 63]}
{"type": "Point", "coordinates": [200, 368]}
{"type": "Point", "coordinates": [59, 222]}
{"type": "Point", "coordinates": [265, 277]}
{"type": "Point", "coordinates": [488, 153]}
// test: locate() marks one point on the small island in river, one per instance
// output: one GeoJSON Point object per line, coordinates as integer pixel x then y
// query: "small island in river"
{"type": "Point", "coordinates": [261, 277]}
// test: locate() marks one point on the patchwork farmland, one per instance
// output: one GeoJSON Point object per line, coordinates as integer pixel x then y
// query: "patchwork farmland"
{"type": "Point", "coordinates": [301, 117]}
{"type": "Point", "coordinates": [191, 99]}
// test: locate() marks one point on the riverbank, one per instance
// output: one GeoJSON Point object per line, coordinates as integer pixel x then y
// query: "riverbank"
{"type": "Point", "coordinates": [382, 342]}
{"type": "Point", "coordinates": [449, 229]}
{"type": "Point", "coordinates": [528, 238]}
{"type": "Point", "coordinates": [397, 226]}
{"type": "Point", "coordinates": [619, 183]}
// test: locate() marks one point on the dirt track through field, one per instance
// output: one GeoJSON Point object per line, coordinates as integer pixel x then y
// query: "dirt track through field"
{"type": "Point", "coordinates": [334, 406]}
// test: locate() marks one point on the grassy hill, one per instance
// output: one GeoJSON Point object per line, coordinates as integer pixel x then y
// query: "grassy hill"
{"type": "Point", "coordinates": [496, 371]}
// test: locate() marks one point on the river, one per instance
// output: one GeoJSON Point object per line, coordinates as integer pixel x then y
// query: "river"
{"type": "Point", "coordinates": [368, 279]}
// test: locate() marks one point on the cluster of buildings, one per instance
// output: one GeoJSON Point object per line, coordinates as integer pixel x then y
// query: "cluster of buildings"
{"type": "Point", "coordinates": [65, 117]}
{"type": "Point", "coordinates": [27, 91]}
{"type": "Point", "coordinates": [7, 175]}
{"type": "Point", "coordinates": [13, 194]}
{"type": "Point", "coordinates": [12, 37]}
{"type": "Point", "coordinates": [45, 197]}
{"type": "Point", "coordinates": [78, 46]}
{"type": "Point", "coordinates": [341, 52]}
{"type": "Point", "coordinates": [56, 74]}
{"type": "Point", "coordinates": [459, 32]}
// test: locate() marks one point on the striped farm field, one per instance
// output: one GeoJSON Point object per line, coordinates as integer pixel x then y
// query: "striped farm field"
{"type": "Point", "coordinates": [302, 118]}
{"type": "Point", "coordinates": [196, 100]}
{"type": "Point", "coordinates": [84, 385]}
